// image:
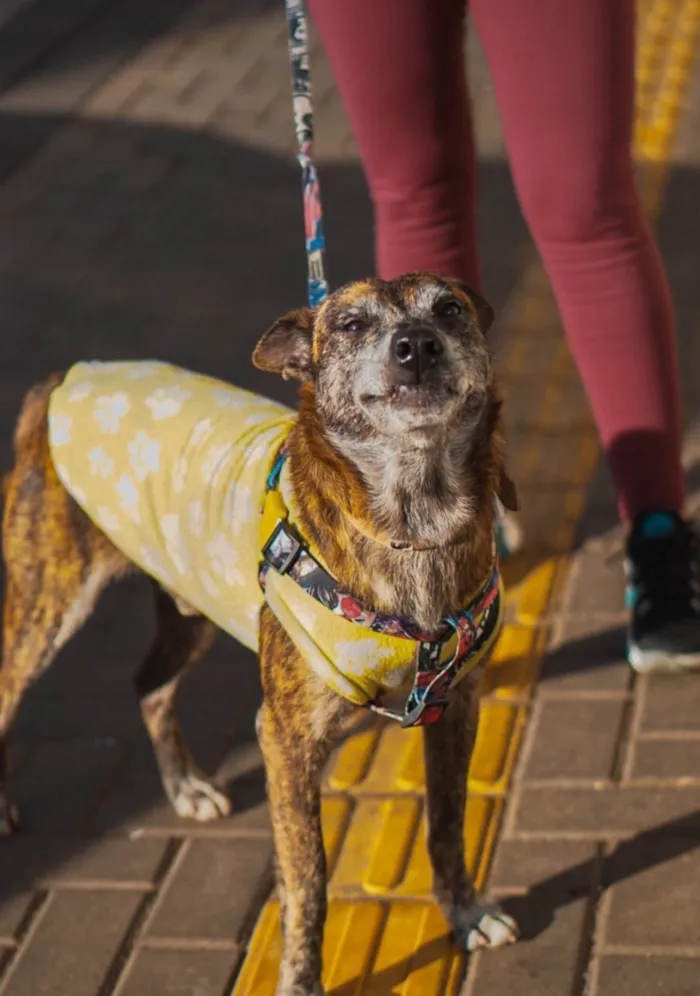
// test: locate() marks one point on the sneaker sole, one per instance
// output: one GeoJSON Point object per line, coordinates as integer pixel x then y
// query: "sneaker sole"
{"type": "Point", "coordinates": [648, 661]}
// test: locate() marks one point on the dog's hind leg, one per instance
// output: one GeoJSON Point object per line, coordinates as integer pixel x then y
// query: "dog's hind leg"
{"type": "Point", "coordinates": [57, 564]}
{"type": "Point", "coordinates": [448, 747]}
{"type": "Point", "coordinates": [181, 640]}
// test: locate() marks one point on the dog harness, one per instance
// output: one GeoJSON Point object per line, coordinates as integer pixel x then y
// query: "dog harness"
{"type": "Point", "coordinates": [186, 476]}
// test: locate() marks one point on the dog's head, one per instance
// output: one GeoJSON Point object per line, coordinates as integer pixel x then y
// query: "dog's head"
{"type": "Point", "coordinates": [388, 358]}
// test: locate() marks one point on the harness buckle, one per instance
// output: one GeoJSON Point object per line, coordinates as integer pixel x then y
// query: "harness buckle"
{"type": "Point", "coordinates": [427, 711]}
{"type": "Point", "coordinates": [282, 549]}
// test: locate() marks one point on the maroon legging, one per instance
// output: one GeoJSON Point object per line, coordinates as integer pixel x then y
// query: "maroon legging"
{"type": "Point", "coordinates": [563, 72]}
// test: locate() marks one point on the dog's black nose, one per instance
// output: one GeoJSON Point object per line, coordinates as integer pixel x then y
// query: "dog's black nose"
{"type": "Point", "coordinates": [416, 349]}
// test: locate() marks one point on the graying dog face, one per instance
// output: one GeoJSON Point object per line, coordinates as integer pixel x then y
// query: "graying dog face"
{"type": "Point", "coordinates": [388, 357]}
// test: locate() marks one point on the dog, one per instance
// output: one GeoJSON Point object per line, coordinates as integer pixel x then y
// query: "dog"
{"type": "Point", "coordinates": [393, 461]}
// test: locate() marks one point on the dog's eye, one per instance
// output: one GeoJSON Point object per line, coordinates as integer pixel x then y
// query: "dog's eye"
{"type": "Point", "coordinates": [353, 325]}
{"type": "Point", "coordinates": [450, 308]}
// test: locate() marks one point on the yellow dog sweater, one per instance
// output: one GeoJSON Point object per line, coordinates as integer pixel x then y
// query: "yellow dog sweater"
{"type": "Point", "coordinates": [172, 466]}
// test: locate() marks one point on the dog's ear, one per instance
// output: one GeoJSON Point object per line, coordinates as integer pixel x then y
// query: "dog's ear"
{"type": "Point", "coordinates": [484, 311]}
{"type": "Point", "coordinates": [286, 346]}
{"type": "Point", "coordinates": [506, 491]}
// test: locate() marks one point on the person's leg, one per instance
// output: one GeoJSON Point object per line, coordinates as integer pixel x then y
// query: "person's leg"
{"type": "Point", "coordinates": [564, 79]}
{"type": "Point", "coordinates": [399, 65]}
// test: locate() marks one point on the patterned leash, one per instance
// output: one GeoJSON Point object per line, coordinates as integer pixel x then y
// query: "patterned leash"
{"type": "Point", "coordinates": [298, 35]}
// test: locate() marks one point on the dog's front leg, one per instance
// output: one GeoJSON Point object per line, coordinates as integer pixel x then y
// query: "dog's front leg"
{"type": "Point", "coordinates": [293, 725]}
{"type": "Point", "coordinates": [448, 748]}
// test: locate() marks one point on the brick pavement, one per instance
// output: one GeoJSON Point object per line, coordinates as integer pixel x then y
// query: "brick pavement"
{"type": "Point", "coordinates": [150, 206]}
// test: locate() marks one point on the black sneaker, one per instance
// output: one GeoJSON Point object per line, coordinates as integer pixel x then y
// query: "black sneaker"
{"type": "Point", "coordinates": [663, 593]}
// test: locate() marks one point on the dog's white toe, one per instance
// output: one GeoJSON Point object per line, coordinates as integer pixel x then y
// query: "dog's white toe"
{"type": "Point", "coordinates": [196, 799]}
{"type": "Point", "coordinates": [485, 925]}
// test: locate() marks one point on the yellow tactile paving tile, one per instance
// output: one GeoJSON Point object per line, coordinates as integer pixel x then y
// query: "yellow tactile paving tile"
{"type": "Point", "coordinates": [515, 663]}
{"type": "Point", "coordinates": [370, 949]}
{"type": "Point", "coordinates": [496, 747]}
{"type": "Point", "coordinates": [384, 935]}
{"type": "Point", "coordinates": [384, 851]}
{"type": "Point", "coordinates": [390, 760]}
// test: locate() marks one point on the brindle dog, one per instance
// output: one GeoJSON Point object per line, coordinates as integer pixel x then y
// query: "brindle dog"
{"type": "Point", "coordinates": [397, 443]}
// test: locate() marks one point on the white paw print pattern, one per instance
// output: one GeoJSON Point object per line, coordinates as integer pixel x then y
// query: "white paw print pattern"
{"type": "Point", "coordinates": [357, 656]}
{"type": "Point", "coordinates": [252, 614]}
{"type": "Point", "coordinates": [224, 559]}
{"type": "Point", "coordinates": [306, 615]}
{"type": "Point", "coordinates": [76, 491]}
{"type": "Point", "coordinates": [108, 519]}
{"type": "Point", "coordinates": [228, 399]}
{"type": "Point", "coordinates": [128, 495]}
{"type": "Point", "coordinates": [110, 409]}
{"type": "Point", "coordinates": [153, 564]}
{"type": "Point", "coordinates": [167, 401]}
{"type": "Point", "coordinates": [260, 449]}
{"type": "Point", "coordinates": [180, 468]}
{"type": "Point", "coordinates": [201, 430]}
{"type": "Point", "coordinates": [239, 508]}
{"type": "Point", "coordinates": [143, 370]}
{"type": "Point", "coordinates": [101, 463]}
{"type": "Point", "coordinates": [175, 548]}
{"type": "Point", "coordinates": [80, 392]}
{"type": "Point", "coordinates": [144, 455]}
{"type": "Point", "coordinates": [256, 418]}
{"type": "Point", "coordinates": [60, 425]}
{"type": "Point", "coordinates": [209, 584]}
{"type": "Point", "coordinates": [214, 461]}
{"type": "Point", "coordinates": [196, 519]}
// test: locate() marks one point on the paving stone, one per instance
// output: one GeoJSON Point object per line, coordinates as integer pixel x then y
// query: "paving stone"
{"type": "Point", "coordinates": [81, 861]}
{"type": "Point", "coordinates": [15, 912]}
{"type": "Point", "coordinates": [586, 655]}
{"type": "Point", "coordinates": [213, 890]}
{"type": "Point", "coordinates": [179, 973]}
{"type": "Point", "coordinates": [655, 896]}
{"type": "Point", "coordinates": [648, 976]}
{"type": "Point", "coordinates": [60, 781]}
{"type": "Point", "coordinates": [670, 759]}
{"type": "Point", "coordinates": [575, 739]}
{"type": "Point", "coordinates": [546, 965]}
{"type": "Point", "coordinates": [74, 945]}
{"type": "Point", "coordinates": [565, 866]}
{"type": "Point", "coordinates": [596, 583]}
{"type": "Point", "coordinates": [672, 702]}
{"type": "Point", "coordinates": [609, 811]}
{"type": "Point", "coordinates": [46, 717]}
{"type": "Point", "coordinates": [600, 518]}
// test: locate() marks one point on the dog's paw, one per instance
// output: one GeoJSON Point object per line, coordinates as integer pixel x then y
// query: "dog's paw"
{"type": "Point", "coordinates": [484, 925]}
{"type": "Point", "coordinates": [194, 798]}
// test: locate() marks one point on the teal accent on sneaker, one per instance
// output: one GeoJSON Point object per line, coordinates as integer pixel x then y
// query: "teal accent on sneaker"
{"type": "Point", "coordinates": [656, 525]}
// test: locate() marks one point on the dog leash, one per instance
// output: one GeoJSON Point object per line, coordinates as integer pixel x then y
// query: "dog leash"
{"type": "Point", "coordinates": [299, 61]}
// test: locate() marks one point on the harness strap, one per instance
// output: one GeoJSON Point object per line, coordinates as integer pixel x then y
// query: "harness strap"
{"type": "Point", "coordinates": [298, 40]}
{"type": "Point", "coordinates": [476, 626]}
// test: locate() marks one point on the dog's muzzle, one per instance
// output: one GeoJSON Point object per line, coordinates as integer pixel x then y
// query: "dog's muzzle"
{"type": "Point", "coordinates": [415, 351]}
